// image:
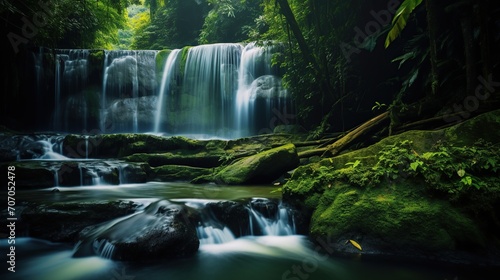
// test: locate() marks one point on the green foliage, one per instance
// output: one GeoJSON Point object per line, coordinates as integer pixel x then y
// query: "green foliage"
{"type": "Point", "coordinates": [400, 19]}
{"type": "Point", "coordinates": [229, 21]}
{"type": "Point", "coordinates": [446, 169]}
{"type": "Point", "coordinates": [72, 24]}
{"type": "Point", "coordinates": [378, 106]}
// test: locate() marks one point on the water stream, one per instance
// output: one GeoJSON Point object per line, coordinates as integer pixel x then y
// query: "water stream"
{"type": "Point", "coordinates": [271, 249]}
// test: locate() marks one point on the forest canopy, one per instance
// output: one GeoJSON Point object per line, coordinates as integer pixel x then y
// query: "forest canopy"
{"type": "Point", "coordinates": [343, 61]}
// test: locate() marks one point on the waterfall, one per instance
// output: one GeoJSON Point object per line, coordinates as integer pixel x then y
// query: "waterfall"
{"type": "Point", "coordinates": [71, 74]}
{"type": "Point", "coordinates": [247, 73]}
{"type": "Point", "coordinates": [210, 81]}
{"type": "Point", "coordinates": [129, 80]}
{"type": "Point", "coordinates": [168, 72]}
{"type": "Point", "coordinates": [223, 90]}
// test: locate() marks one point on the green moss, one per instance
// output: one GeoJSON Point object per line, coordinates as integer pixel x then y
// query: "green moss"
{"type": "Point", "coordinates": [425, 223]}
{"type": "Point", "coordinates": [182, 63]}
{"type": "Point", "coordinates": [178, 173]}
{"type": "Point", "coordinates": [261, 167]}
{"type": "Point", "coordinates": [161, 58]}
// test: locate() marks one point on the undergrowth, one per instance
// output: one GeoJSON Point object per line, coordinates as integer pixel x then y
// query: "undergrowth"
{"type": "Point", "coordinates": [445, 168]}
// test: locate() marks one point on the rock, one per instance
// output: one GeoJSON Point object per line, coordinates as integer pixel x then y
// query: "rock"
{"type": "Point", "coordinates": [263, 167]}
{"type": "Point", "coordinates": [31, 175]}
{"type": "Point", "coordinates": [232, 214]}
{"type": "Point", "coordinates": [61, 222]}
{"type": "Point", "coordinates": [162, 230]}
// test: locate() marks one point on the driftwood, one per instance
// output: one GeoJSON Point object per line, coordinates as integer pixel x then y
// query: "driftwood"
{"type": "Point", "coordinates": [337, 146]}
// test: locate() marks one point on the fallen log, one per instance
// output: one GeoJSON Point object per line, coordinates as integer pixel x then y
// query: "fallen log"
{"type": "Point", "coordinates": [337, 146]}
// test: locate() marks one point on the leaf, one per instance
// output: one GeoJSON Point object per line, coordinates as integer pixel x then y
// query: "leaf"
{"type": "Point", "coordinates": [415, 165]}
{"type": "Point", "coordinates": [428, 155]}
{"type": "Point", "coordinates": [354, 164]}
{"type": "Point", "coordinates": [466, 181]}
{"type": "Point", "coordinates": [355, 244]}
{"type": "Point", "coordinates": [400, 19]}
{"type": "Point", "coordinates": [461, 172]}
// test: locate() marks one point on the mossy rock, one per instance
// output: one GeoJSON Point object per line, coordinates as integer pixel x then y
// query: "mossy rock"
{"type": "Point", "coordinates": [402, 216]}
{"type": "Point", "coordinates": [391, 220]}
{"type": "Point", "coordinates": [263, 167]}
{"type": "Point", "coordinates": [204, 160]}
{"type": "Point", "coordinates": [178, 173]}
{"type": "Point", "coordinates": [31, 175]}
{"type": "Point", "coordinates": [121, 145]}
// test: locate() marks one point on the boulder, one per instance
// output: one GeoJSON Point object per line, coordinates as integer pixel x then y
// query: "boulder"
{"type": "Point", "coordinates": [162, 230]}
{"type": "Point", "coordinates": [263, 167]}
{"type": "Point", "coordinates": [61, 222]}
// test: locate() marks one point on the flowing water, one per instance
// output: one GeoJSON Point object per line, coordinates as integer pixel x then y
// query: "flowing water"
{"type": "Point", "coordinates": [270, 250]}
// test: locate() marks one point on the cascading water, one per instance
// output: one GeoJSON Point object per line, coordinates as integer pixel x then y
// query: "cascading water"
{"type": "Point", "coordinates": [224, 90]}
{"type": "Point", "coordinates": [129, 84]}
{"type": "Point", "coordinates": [71, 74]}
{"type": "Point", "coordinates": [210, 81]}
{"type": "Point", "coordinates": [271, 218]}
{"type": "Point", "coordinates": [169, 72]}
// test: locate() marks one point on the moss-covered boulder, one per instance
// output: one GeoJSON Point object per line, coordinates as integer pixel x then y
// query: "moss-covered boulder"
{"type": "Point", "coordinates": [121, 145]}
{"type": "Point", "coordinates": [432, 194]}
{"type": "Point", "coordinates": [263, 167]}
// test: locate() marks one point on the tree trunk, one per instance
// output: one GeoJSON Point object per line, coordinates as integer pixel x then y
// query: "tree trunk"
{"type": "Point", "coordinates": [334, 148]}
{"type": "Point", "coordinates": [432, 28]}
{"type": "Point", "coordinates": [294, 26]}
{"type": "Point", "coordinates": [483, 13]}
{"type": "Point", "coordinates": [470, 59]}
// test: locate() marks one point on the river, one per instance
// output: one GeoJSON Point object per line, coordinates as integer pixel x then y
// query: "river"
{"type": "Point", "coordinates": [272, 256]}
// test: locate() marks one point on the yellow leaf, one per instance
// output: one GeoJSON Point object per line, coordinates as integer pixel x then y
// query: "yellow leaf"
{"type": "Point", "coordinates": [355, 244]}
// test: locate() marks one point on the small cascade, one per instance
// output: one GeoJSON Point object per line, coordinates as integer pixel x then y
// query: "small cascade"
{"type": "Point", "coordinates": [40, 147]}
{"type": "Point", "coordinates": [48, 149]}
{"type": "Point", "coordinates": [214, 223]}
{"type": "Point", "coordinates": [213, 235]}
{"type": "Point", "coordinates": [260, 217]}
{"type": "Point", "coordinates": [56, 177]}
{"type": "Point", "coordinates": [169, 72]}
{"type": "Point", "coordinates": [269, 217]}
{"type": "Point", "coordinates": [104, 248]}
